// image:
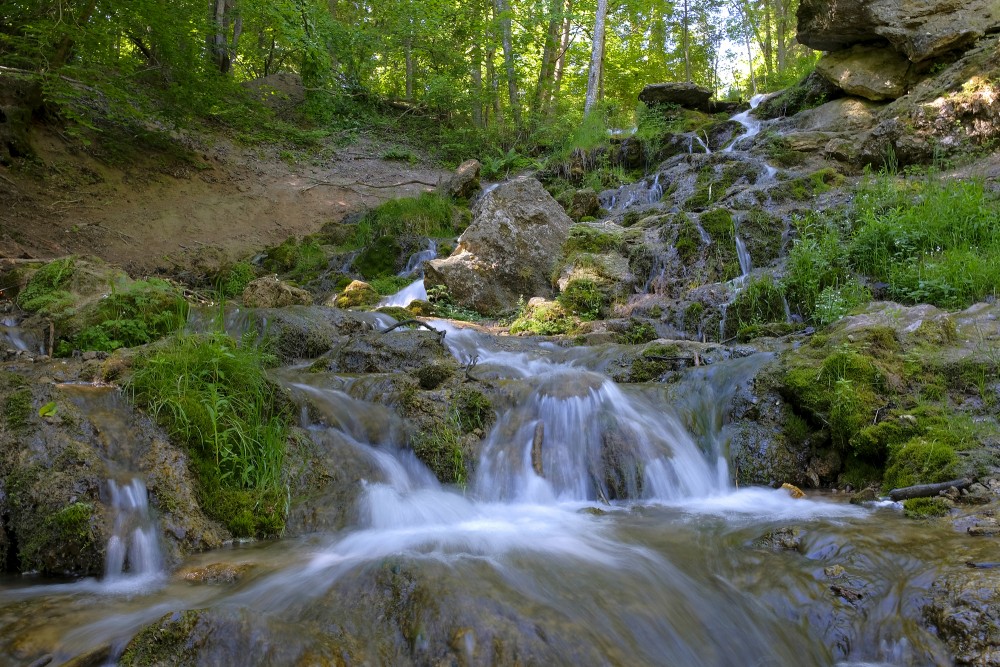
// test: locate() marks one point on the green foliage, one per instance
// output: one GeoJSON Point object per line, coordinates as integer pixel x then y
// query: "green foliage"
{"type": "Point", "coordinates": [920, 460]}
{"type": "Point", "coordinates": [637, 333]}
{"type": "Point", "coordinates": [446, 308]}
{"type": "Point", "coordinates": [17, 408]}
{"type": "Point", "coordinates": [474, 410]}
{"type": "Point", "coordinates": [235, 279]}
{"type": "Point", "coordinates": [140, 313]}
{"type": "Point", "coordinates": [583, 238]}
{"type": "Point", "coordinates": [389, 285]}
{"type": "Point", "coordinates": [441, 448]}
{"type": "Point", "coordinates": [585, 298]}
{"type": "Point", "coordinates": [924, 508]}
{"type": "Point", "coordinates": [213, 396]}
{"type": "Point", "coordinates": [545, 319]}
{"type": "Point", "coordinates": [761, 302]}
{"type": "Point", "coordinates": [379, 259]}
{"type": "Point", "coordinates": [401, 154]}
{"type": "Point", "coordinates": [429, 214]}
{"type": "Point", "coordinates": [299, 260]}
{"type": "Point", "coordinates": [45, 290]}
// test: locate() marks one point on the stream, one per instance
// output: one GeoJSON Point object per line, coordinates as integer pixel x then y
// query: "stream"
{"type": "Point", "coordinates": [600, 527]}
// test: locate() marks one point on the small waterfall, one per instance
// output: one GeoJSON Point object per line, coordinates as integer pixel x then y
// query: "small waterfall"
{"type": "Point", "coordinates": [18, 339]}
{"type": "Point", "coordinates": [708, 151]}
{"type": "Point", "coordinates": [415, 265]}
{"type": "Point", "coordinates": [743, 256]}
{"type": "Point", "coordinates": [404, 297]}
{"type": "Point", "coordinates": [751, 124]}
{"type": "Point", "coordinates": [133, 549]}
{"type": "Point", "coordinates": [656, 275]}
{"type": "Point", "coordinates": [643, 193]}
{"type": "Point", "coordinates": [579, 437]}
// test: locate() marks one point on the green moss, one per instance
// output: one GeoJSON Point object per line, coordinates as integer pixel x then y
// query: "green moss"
{"type": "Point", "coordinates": [441, 448]}
{"type": "Point", "coordinates": [693, 313]}
{"type": "Point", "coordinates": [474, 410]}
{"type": "Point", "coordinates": [688, 240]}
{"type": "Point", "coordinates": [918, 461]}
{"type": "Point", "coordinates": [235, 279]}
{"type": "Point", "coordinates": [805, 187]}
{"type": "Point", "coordinates": [138, 314]}
{"type": "Point", "coordinates": [760, 303]}
{"type": "Point", "coordinates": [583, 238]}
{"type": "Point", "coordinates": [66, 530]}
{"type": "Point", "coordinates": [925, 508]}
{"type": "Point", "coordinates": [301, 261]}
{"type": "Point", "coordinates": [388, 285]}
{"type": "Point", "coordinates": [586, 298]}
{"type": "Point", "coordinates": [780, 153]}
{"type": "Point", "coordinates": [429, 214]}
{"type": "Point", "coordinates": [860, 474]}
{"type": "Point", "coordinates": [433, 375]}
{"type": "Point", "coordinates": [44, 290]}
{"type": "Point", "coordinates": [396, 312]}
{"type": "Point", "coordinates": [709, 187]}
{"type": "Point", "coordinates": [17, 408]}
{"type": "Point", "coordinates": [379, 258]}
{"type": "Point", "coordinates": [546, 319]}
{"type": "Point", "coordinates": [637, 333]}
{"type": "Point", "coordinates": [653, 363]}
{"type": "Point", "coordinates": [166, 641]}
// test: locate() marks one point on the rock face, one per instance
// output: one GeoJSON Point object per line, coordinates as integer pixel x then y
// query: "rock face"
{"type": "Point", "coordinates": [269, 292]}
{"type": "Point", "coordinates": [873, 72]}
{"type": "Point", "coordinates": [919, 29]}
{"type": "Point", "coordinates": [510, 250]}
{"type": "Point", "coordinates": [464, 183]}
{"type": "Point", "coordinates": [684, 94]}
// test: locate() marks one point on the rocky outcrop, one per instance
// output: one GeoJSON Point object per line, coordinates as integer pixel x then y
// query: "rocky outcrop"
{"type": "Point", "coordinates": [584, 204]}
{"type": "Point", "coordinates": [464, 183]}
{"type": "Point", "coordinates": [873, 72]}
{"type": "Point", "coordinates": [269, 292]}
{"type": "Point", "coordinates": [683, 94]}
{"type": "Point", "coordinates": [919, 30]}
{"type": "Point", "coordinates": [510, 250]}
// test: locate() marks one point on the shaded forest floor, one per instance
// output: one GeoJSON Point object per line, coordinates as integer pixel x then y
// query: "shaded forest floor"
{"type": "Point", "coordinates": [190, 206]}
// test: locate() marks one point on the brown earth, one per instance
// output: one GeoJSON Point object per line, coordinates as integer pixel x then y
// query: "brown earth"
{"type": "Point", "coordinates": [165, 215]}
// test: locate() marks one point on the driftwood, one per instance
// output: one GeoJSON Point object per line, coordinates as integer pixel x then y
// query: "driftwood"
{"type": "Point", "coordinates": [983, 566]}
{"type": "Point", "coordinates": [928, 490]}
{"type": "Point", "coordinates": [351, 184]}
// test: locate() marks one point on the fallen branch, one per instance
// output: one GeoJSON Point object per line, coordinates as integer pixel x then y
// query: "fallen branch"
{"type": "Point", "coordinates": [8, 180]}
{"type": "Point", "coordinates": [927, 490]}
{"type": "Point", "coordinates": [418, 323]}
{"type": "Point", "coordinates": [350, 185]}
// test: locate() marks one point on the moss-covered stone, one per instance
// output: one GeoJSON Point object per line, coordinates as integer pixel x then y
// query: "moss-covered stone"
{"type": "Point", "coordinates": [544, 318]}
{"type": "Point", "coordinates": [432, 375]}
{"type": "Point", "coordinates": [381, 258]}
{"type": "Point", "coordinates": [358, 294]}
{"type": "Point", "coordinates": [475, 410]}
{"type": "Point", "coordinates": [586, 298]}
{"type": "Point", "coordinates": [584, 238]}
{"type": "Point", "coordinates": [806, 187]}
{"type": "Point", "coordinates": [17, 408]}
{"type": "Point", "coordinates": [46, 291]}
{"type": "Point", "coordinates": [925, 508]}
{"type": "Point", "coordinates": [164, 642]}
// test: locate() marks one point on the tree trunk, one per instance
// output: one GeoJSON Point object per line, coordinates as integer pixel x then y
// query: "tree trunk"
{"type": "Point", "coordinates": [503, 13]}
{"type": "Point", "coordinates": [563, 48]}
{"type": "Point", "coordinates": [408, 51]}
{"type": "Point", "coordinates": [686, 43]}
{"type": "Point", "coordinates": [65, 46]}
{"type": "Point", "coordinates": [221, 48]}
{"type": "Point", "coordinates": [546, 70]}
{"type": "Point", "coordinates": [596, 57]}
{"type": "Point", "coordinates": [476, 73]}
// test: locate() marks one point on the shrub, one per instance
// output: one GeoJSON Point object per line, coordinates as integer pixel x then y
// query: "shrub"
{"type": "Point", "coordinates": [213, 396]}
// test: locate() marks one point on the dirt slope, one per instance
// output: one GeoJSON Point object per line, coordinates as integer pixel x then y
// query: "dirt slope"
{"type": "Point", "coordinates": [163, 216]}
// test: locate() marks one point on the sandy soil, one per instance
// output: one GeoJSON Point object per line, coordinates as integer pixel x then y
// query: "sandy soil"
{"type": "Point", "coordinates": [151, 219]}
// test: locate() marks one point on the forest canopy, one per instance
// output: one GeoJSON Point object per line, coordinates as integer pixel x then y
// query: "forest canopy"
{"type": "Point", "coordinates": [502, 66]}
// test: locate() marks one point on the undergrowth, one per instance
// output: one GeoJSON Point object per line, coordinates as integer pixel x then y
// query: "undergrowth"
{"type": "Point", "coordinates": [212, 394]}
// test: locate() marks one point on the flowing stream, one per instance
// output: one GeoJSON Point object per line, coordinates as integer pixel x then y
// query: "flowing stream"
{"type": "Point", "coordinates": [600, 527]}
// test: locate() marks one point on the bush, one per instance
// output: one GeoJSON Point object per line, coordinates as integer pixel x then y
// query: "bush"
{"type": "Point", "coordinates": [213, 396]}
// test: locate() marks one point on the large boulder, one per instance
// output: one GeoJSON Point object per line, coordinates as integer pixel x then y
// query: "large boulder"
{"type": "Point", "coordinates": [684, 94]}
{"type": "Point", "coordinates": [874, 72]}
{"type": "Point", "coordinates": [920, 29]}
{"type": "Point", "coordinates": [269, 292]}
{"type": "Point", "coordinates": [509, 251]}
{"type": "Point", "coordinates": [847, 114]}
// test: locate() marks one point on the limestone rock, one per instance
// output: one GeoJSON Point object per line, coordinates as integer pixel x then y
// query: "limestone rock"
{"type": "Point", "coordinates": [685, 94]}
{"type": "Point", "coordinates": [810, 92]}
{"type": "Point", "coordinates": [400, 350]}
{"type": "Point", "coordinates": [356, 295]}
{"type": "Point", "coordinates": [873, 72]}
{"type": "Point", "coordinates": [464, 183]}
{"type": "Point", "coordinates": [510, 250]}
{"type": "Point", "coordinates": [585, 203]}
{"type": "Point", "coordinates": [847, 114]}
{"type": "Point", "coordinates": [269, 292]}
{"type": "Point", "coordinates": [920, 29]}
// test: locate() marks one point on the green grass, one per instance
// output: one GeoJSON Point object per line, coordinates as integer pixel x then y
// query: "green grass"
{"type": "Point", "coordinates": [212, 395]}
{"type": "Point", "coordinates": [46, 286]}
{"type": "Point", "coordinates": [427, 215]}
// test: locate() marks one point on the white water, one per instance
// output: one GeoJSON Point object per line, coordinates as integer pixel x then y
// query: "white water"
{"type": "Point", "coordinates": [415, 265]}
{"type": "Point", "coordinates": [643, 193]}
{"type": "Point", "coordinates": [407, 295]}
{"type": "Point", "coordinates": [704, 146]}
{"type": "Point", "coordinates": [18, 339]}
{"type": "Point", "coordinates": [133, 549]}
{"type": "Point", "coordinates": [751, 125]}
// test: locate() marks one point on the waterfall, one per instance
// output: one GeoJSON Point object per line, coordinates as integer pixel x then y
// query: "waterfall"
{"type": "Point", "coordinates": [415, 265]}
{"type": "Point", "coordinates": [415, 290]}
{"type": "Point", "coordinates": [133, 549]}
{"type": "Point", "coordinates": [750, 124]}
{"type": "Point", "coordinates": [18, 338]}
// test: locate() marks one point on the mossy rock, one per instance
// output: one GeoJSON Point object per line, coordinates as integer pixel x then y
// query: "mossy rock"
{"type": "Point", "coordinates": [381, 258]}
{"type": "Point", "coordinates": [926, 508]}
{"type": "Point", "coordinates": [919, 461]}
{"type": "Point", "coordinates": [584, 238]}
{"type": "Point", "coordinates": [544, 318]}
{"type": "Point", "coordinates": [585, 297]}
{"type": "Point", "coordinates": [358, 294]}
{"type": "Point", "coordinates": [637, 332]}
{"type": "Point", "coordinates": [17, 408]}
{"type": "Point", "coordinates": [434, 374]}
{"type": "Point", "coordinates": [475, 410]}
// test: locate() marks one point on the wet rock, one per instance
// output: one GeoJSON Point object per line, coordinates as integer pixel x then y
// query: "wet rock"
{"type": "Point", "coordinates": [812, 91]}
{"type": "Point", "coordinates": [793, 491]}
{"type": "Point", "coordinates": [585, 204]}
{"type": "Point", "coordinates": [464, 183]}
{"type": "Point", "coordinates": [964, 609]}
{"type": "Point", "coordinates": [269, 292]}
{"type": "Point", "coordinates": [781, 539]}
{"type": "Point", "coordinates": [392, 352]}
{"type": "Point", "coordinates": [919, 31]}
{"type": "Point", "coordinates": [868, 495]}
{"type": "Point", "coordinates": [684, 94]}
{"type": "Point", "coordinates": [216, 573]}
{"type": "Point", "coordinates": [834, 571]}
{"type": "Point", "coordinates": [358, 294]}
{"type": "Point", "coordinates": [875, 73]}
{"type": "Point", "coordinates": [508, 252]}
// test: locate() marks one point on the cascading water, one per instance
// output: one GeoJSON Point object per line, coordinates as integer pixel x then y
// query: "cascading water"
{"type": "Point", "coordinates": [751, 125]}
{"type": "Point", "coordinates": [17, 338]}
{"type": "Point", "coordinates": [416, 289]}
{"type": "Point", "coordinates": [133, 549]}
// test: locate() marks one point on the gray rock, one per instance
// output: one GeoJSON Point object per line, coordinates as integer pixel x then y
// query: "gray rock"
{"type": "Point", "coordinates": [847, 114]}
{"type": "Point", "coordinates": [269, 292]}
{"type": "Point", "coordinates": [585, 203]}
{"type": "Point", "coordinates": [920, 30]}
{"type": "Point", "coordinates": [464, 183]}
{"type": "Point", "coordinates": [685, 94]}
{"type": "Point", "coordinates": [873, 72]}
{"type": "Point", "coordinates": [510, 250]}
